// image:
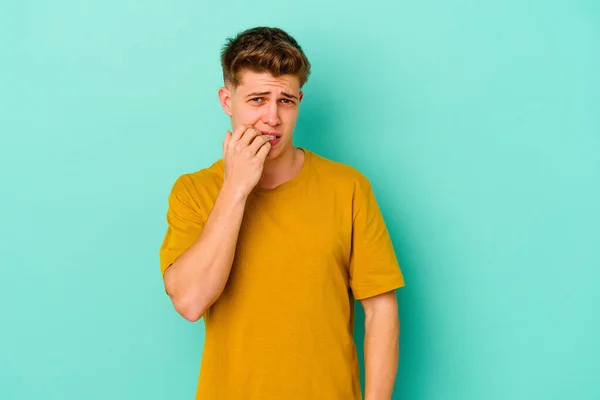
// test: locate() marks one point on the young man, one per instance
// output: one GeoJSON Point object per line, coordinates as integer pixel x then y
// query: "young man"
{"type": "Point", "coordinates": [273, 243]}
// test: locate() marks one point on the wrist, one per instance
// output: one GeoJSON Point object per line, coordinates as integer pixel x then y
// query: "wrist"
{"type": "Point", "coordinates": [233, 193]}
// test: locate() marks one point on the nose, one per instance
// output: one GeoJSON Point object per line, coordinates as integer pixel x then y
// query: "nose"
{"type": "Point", "coordinates": [271, 114]}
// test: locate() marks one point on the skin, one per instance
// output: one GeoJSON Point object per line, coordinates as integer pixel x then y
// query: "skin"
{"type": "Point", "coordinates": [268, 104]}
{"type": "Point", "coordinates": [381, 344]}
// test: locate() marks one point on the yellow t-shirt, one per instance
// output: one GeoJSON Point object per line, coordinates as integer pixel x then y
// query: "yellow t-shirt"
{"type": "Point", "coordinates": [283, 326]}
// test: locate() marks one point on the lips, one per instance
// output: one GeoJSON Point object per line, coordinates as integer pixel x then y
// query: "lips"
{"type": "Point", "coordinates": [274, 137]}
{"type": "Point", "coordinates": [274, 134]}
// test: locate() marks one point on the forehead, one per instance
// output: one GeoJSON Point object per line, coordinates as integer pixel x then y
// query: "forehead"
{"type": "Point", "coordinates": [252, 81]}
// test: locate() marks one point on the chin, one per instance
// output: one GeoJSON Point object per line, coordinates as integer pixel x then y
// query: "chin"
{"type": "Point", "coordinates": [273, 153]}
{"type": "Point", "coordinates": [276, 152]}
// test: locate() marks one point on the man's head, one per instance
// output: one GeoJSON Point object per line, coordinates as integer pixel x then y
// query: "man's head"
{"type": "Point", "coordinates": [264, 70]}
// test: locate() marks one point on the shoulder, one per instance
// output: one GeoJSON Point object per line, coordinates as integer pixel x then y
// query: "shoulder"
{"type": "Point", "coordinates": [199, 185]}
{"type": "Point", "coordinates": [339, 174]}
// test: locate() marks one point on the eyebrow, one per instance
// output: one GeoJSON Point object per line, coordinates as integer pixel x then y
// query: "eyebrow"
{"type": "Point", "coordinates": [291, 96]}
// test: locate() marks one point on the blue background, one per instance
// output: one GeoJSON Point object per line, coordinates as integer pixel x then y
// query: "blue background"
{"type": "Point", "coordinates": [477, 121]}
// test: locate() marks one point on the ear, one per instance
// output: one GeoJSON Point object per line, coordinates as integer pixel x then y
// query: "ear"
{"type": "Point", "coordinates": [225, 100]}
{"type": "Point", "coordinates": [300, 97]}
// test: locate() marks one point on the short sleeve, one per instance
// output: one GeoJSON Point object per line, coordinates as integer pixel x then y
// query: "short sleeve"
{"type": "Point", "coordinates": [374, 268]}
{"type": "Point", "coordinates": [184, 223]}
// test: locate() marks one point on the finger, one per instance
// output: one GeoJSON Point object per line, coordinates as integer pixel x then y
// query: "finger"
{"type": "Point", "coordinates": [249, 136]}
{"type": "Point", "coordinates": [258, 143]}
{"type": "Point", "coordinates": [237, 133]}
{"type": "Point", "coordinates": [241, 129]}
{"type": "Point", "coordinates": [263, 151]}
{"type": "Point", "coordinates": [226, 140]}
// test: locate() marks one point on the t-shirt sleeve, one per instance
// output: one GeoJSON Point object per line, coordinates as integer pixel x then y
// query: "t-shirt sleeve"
{"type": "Point", "coordinates": [374, 267]}
{"type": "Point", "coordinates": [184, 223]}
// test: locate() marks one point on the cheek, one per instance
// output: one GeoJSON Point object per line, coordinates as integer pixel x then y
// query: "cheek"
{"type": "Point", "coordinates": [246, 114]}
{"type": "Point", "coordinates": [289, 117]}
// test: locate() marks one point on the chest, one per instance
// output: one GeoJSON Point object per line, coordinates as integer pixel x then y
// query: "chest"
{"type": "Point", "coordinates": [298, 241]}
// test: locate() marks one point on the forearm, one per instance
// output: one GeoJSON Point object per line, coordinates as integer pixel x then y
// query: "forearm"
{"type": "Point", "coordinates": [382, 328]}
{"type": "Point", "coordinates": [198, 277]}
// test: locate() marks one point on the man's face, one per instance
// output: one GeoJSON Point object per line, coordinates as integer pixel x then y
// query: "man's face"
{"type": "Point", "coordinates": [267, 103]}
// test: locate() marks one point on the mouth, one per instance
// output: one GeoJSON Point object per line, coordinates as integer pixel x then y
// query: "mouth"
{"type": "Point", "coordinates": [272, 135]}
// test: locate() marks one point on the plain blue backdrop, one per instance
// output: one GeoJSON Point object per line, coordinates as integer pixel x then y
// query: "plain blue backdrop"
{"type": "Point", "coordinates": [477, 122]}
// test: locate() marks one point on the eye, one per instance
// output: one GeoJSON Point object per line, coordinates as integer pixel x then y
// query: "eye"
{"type": "Point", "coordinates": [287, 101]}
{"type": "Point", "coordinates": [255, 99]}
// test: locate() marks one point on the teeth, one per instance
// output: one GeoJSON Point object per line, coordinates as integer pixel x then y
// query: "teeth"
{"type": "Point", "coordinates": [271, 137]}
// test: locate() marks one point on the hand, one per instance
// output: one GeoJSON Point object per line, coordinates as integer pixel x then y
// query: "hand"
{"type": "Point", "coordinates": [244, 154]}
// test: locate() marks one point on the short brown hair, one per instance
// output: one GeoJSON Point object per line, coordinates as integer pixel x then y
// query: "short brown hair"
{"type": "Point", "coordinates": [263, 49]}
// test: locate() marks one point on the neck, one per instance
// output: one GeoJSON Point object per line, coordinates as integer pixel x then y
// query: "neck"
{"type": "Point", "coordinates": [281, 169]}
